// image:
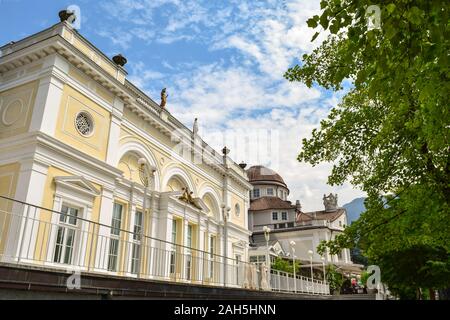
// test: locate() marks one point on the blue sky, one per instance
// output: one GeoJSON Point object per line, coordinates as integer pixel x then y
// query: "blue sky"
{"type": "Point", "coordinates": [222, 62]}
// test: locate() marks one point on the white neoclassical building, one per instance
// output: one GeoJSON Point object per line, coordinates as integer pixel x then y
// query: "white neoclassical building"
{"type": "Point", "coordinates": [82, 147]}
{"type": "Point", "coordinates": [287, 222]}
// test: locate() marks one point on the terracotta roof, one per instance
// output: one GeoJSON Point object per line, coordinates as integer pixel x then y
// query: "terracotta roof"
{"type": "Point", "coordinates": [266, 203]}
{"type": "Point", "coordinates": [261, 173]}
{"type": "Point", "coordinates": [320, 215]}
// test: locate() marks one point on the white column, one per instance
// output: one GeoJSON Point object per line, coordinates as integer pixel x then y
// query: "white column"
{"type": "Point", "coordinates": [48, 103]}
{"type": "Point", "coordinates": [315, 242]}
{"type": "Point", "coordinates": [24, 223]}
{"type": "Point", "coordinates": [184, 251]}
{"type": "Point", "coordinates": [154, 244]}
{"type": "Point", "coordinates": [104, 233]}
{"type": "Point", "coordinates": [164, 232]}
{"type": "Point", "coordinates": [247, 220]}
{"type": "Point", "coordinates": [201, 264]}
{"type": "Point", "coordinates": [114, 132]}
{"type": "Point", "coordinates": [222, 247]}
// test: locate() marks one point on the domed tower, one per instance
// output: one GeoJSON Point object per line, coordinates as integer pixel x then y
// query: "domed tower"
{"type": "Point", "coordinates": [266, 183]}
{"type": "Point", "coordinates": [268, 200]}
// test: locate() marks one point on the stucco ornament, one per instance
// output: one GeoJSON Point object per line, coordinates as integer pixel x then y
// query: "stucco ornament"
{"type": "Point", "coordinates": [187, 197]}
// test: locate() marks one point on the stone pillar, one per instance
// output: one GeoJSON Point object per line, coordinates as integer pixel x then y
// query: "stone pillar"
{"type": "Point", "coordinates": [24, 224]}
{"type": "Point", "coordinates": [104, 231]}
{"type": "Point", "coordinates": [201, 262]}
{"type": "Point", "coordinates": [114, 132]}
{"type": "Point", "coordinates": [153, 243]}
{"type": "Point", "coordinates": [184, 251]}
{"type": "Point", "coordinates": [48, 97]}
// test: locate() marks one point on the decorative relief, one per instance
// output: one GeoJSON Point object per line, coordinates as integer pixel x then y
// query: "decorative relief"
{"type": "Point", "coordinates": [84, 124]}
{"type": "Point", "coordinates": [15, 109]}
{"type": "Point", "coordinates": [12, 112]}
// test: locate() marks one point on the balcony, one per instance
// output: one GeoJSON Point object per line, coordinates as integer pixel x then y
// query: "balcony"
{"type": "Point", "coordinates": [39, 237]}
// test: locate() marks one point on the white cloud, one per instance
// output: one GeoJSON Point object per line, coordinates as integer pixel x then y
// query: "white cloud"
{"type": "Point", "coordinates": [245, 94]}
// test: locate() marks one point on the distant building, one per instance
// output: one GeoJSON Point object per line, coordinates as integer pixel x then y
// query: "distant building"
{"type": "Point", "coordinates": [269, 207]}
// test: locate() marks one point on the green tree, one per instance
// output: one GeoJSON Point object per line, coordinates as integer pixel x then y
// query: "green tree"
{"type": "Point", "coordinates": [285, 265]}
{"type": "Point", "coordinates": [334, 279]}
{"type": "Point", "coordinates": [390, 134]}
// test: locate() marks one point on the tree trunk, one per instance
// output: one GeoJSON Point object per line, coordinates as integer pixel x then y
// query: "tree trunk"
{"type": "Point", "coordinates": [432, 294]}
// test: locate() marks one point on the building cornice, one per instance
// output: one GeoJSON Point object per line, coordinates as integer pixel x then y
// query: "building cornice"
{"type": "Point", "coordinates": [51, 41]}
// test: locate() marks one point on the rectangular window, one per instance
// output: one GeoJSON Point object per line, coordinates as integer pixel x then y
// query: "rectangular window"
{"type": "Point", "coordinates": [189, 236]}
{"type": "Point", "coordinates": [188, 266]}
{"type": "Point", "coordinates": [135, 253]}
{"type": "Point", "coordinates": [274, 215]}
{"type": "Point", "coordinates": [65, 237]}
{"type": "Point", "coordinates": [116, 219]}
{"type": "Point", "coordinates": [189, 256]}
{"type": "Point", "coordinates": [137, 229]}
{"type": "Point", "coordinates": [256, 193]}
{"type": "Point", "coordinates": [113, 253]}
{"type": "Point", "coordinates": [173, 252]}
{"type": "Point", "coordinates": [136, 246]}
{"type": "Point", "coordinates": [270, 191]}
{"type": "Point", "coordinates": [116, 224]}
{"type": "Point", "coordinates": [284, 216]}
{"type": "Point", "coordinates": [212, 244]}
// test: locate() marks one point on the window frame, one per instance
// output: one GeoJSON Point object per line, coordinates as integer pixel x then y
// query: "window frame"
{"type": "Point", "coordinates": [136, 241]}
{"type": "Point", "coordinates": [65, 227]}
{"type": "Point", "coordinates": [275, 216]}
{"type": "Point", "coordinates": [114, 241]}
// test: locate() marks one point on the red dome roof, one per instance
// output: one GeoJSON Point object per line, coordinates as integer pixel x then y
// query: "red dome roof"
{"type": "Point", "coordinates": [261, 174]}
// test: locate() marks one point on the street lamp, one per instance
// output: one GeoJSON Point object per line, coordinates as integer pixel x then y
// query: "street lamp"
{"type": "Point", "coordinates": [142, 162]}
{"type": "Point", "coordinates": [267, 236]}
{"type": "Point", "coordinates": [310, 252]}
{"type": "Point", "coordinates": [292, 243]}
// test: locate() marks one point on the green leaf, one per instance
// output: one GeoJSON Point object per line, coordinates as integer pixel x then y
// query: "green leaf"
{"type": "Point", "coordinates": [312, 23]}
{"type": "Point", "coordinates": [315, 36]}
{"type": "Point", "coordinates": [390, 7]}
{"type": "Point", "coordinates": [324, 21]}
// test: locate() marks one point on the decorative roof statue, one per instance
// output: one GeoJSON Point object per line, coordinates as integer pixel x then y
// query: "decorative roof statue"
{"type": "Point", "coordinates": [164, 97]}
{"type": "Point", "coordinates": [67, 15]}
{"type": "Point", "coordinates": [195, 128]}
{"type": "Point", "coordinates": [330, 202]}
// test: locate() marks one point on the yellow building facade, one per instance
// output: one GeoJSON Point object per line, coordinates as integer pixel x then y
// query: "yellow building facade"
{"type": "Point", "coordinates": [81, 148]}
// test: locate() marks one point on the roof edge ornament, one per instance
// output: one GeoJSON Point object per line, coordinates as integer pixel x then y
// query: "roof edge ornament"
{"type": "Point", "coordinates": [67, 15]}
{"type": "Point", "coordinates": [120, 60]}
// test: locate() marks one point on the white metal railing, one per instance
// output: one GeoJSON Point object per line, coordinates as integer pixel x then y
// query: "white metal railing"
{"type": "Point", "coordinates": [285, 281]}
{"type": "Point", "coordinates": [32, 235]}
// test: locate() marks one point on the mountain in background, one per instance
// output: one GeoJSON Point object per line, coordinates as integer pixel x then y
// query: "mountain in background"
{"type": "Point", "coordinates": [354, 209]}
